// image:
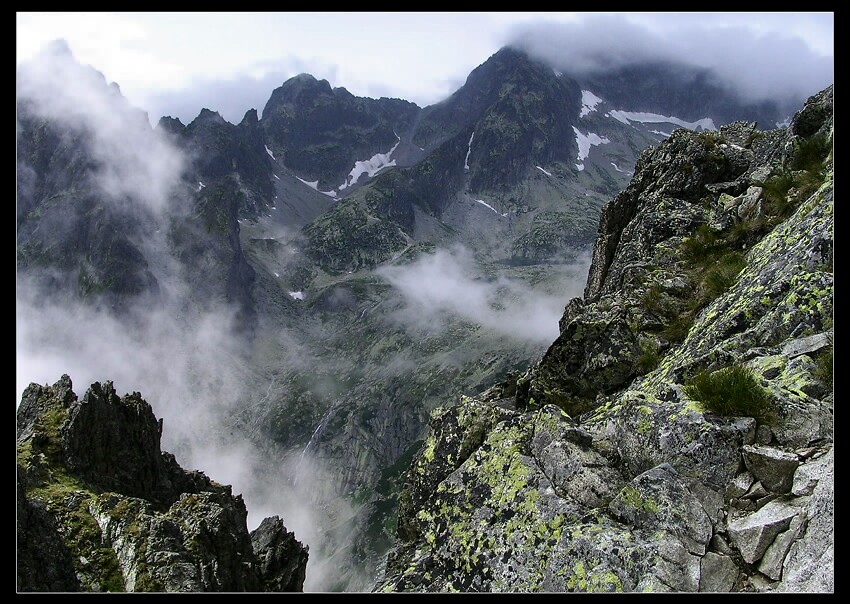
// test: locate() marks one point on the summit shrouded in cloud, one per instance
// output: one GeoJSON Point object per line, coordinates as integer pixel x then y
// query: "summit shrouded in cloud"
{"type": "Point", "coordinates": [759, 65]}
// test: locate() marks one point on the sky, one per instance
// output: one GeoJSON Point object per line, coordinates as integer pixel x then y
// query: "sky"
{"type": "Point", "coordinates": [177, 63]}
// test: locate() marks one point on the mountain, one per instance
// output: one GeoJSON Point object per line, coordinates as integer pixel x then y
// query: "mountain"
{"type": "Point", "coordinates": [101, 508]}
{"type": "Point", "coordinates": [678, 434]}
{"type": "Point", "coordinates": [317, 129]}
{"type": "Point", "coordinates": [345, 265]}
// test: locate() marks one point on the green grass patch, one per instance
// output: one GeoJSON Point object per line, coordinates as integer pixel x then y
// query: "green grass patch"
{"type": "Point", "coordinates": [678, 327]}
{"type": "Point", "coordinates": [731, 392]}
{"type": "Point", "coordinates": [721, 275]}
{"type": "Point", "coordinates": [703, 246]}
{"type": "Point", "coordinates": [811, 153]}
{"type": "Point", "coordinates": [648, 358]}
{"type": "Point", "coordinates": [824, 368]}
{"type": "Point", "coordinates": [652, 299]}
{"type": "Point", "coordinates": [783, 192]}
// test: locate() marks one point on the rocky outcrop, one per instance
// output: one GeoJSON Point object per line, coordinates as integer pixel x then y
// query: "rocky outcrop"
{"type": "Point", "coordinates": [282, 559]}
{"type": "Point", "coordinates": [219, 149]}
{"type": "Point", "coordinates": [102, 508]}
{"type": "Point", "coordinates": [607, 466]}
{"type": "Point", "coordinates": [322, 131]}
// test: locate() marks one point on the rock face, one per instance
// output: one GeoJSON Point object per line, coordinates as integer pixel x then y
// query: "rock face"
{"type": "Point", "coordinates": [320, 129]}
{"type": "Point", "coordinates": [102, 508]}
{"type": "Point", "coordinates": [605, 467]}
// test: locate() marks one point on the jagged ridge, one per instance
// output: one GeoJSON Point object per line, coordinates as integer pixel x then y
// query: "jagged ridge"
{"type": "Point", "coordinates": [115, 513]}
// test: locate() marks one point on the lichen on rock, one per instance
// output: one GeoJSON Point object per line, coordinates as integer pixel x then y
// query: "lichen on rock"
{"type": "Point", "coordinates": [597, 471]}
{"type": "Point", "coordinates": [118, 514]}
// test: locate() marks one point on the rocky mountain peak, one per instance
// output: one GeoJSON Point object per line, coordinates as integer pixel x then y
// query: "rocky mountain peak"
{"type": "Point", "coordinates": [207, 116]}
{"type": "Point", "coordinates": [169, 124]}
{"type": "Point", "coordinates": [250, 118]}
{"type": "Point", "coordinates": [122, 515]}
{"type": "Point", "coordinates": [298, 90]}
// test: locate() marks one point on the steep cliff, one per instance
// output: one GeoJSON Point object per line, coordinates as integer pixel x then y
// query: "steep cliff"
{"type": "Point", "coordinates": [101, 508]}
{"type": "Point", "coordinates": [677, 436]}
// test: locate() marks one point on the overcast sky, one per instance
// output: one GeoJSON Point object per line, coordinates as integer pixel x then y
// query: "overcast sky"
{"type": "Point", "coordinates": [177, 63]}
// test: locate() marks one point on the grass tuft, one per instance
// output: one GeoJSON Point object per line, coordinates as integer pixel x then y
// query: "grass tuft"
{"type": "Point", "coordinates": [731, 392]}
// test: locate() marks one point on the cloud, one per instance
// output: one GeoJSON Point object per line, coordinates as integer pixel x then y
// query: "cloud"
{"type": "Point", "coordinates": [195, 377]}
{"type": "Point", "coordinates": [135, 161]}
{"type": "Point", "coordinates": [447, 282]}
{"type": "Point", "coordinates": [757, 62]}
{"type": "Point", "coordinates": [183, 355]}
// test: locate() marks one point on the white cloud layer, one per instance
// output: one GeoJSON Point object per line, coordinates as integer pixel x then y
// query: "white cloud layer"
{"type": "Point", "coordinates": [760, 56]}
{"type": "Point", "coordinates": [134, 160]}
{"type": "Point", "coordinates": [448, 282]}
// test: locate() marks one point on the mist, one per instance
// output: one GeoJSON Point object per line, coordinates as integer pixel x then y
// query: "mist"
{"type": "Point", "coordinates": [134, 161]}
{"type": "Point", "coordinates": [449, 282]}
{"type": "Point", "coordinates": [759, 65]}
{"type": "Point", "coordinates": [194, 375]}
{"type": "Point", "coordinates": [183, 355]}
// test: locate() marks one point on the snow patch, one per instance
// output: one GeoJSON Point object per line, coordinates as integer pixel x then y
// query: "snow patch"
{"type": "Point", "coordinates": [269, 151]}
{"type": "Point", "coordinates": [544, 171]}
{"type": "Point", "coordinates": [484, 203]}
{"type": "Point", "coordinates": [371, 166]}
{"type": "Point", "coordinates": [276, 176]}
{"type": "Point", "coordinates": [296, 295]}
{"type": "Point", "coordinates": [315, 186]}
{"type": "Point", "coordinates": [617, 168]}
{"type": "Point", "coordinates": [558, 74]}
{"type": "Point", "coordinates": [468, 151]}
{"type": "Point", "coordinates": [784, 123]}
{"type": "Point", "coordinates": [579, 167]}
{"type": "Point", "coordinates": [201, 185]}
{"type": "Point", "coordinates": [586, 141]}
{"type": "Point", "coordinates": [643, 117]}
{"type": "Point", "coordinates": [276, 275]}
{"type": "Point", "coordinates": [658, 132]}
{"type": "Point", "coordinates": [589, 101]}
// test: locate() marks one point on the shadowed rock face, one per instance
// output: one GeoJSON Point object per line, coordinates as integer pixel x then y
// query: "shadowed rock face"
{"type": "Point", "coordinates": [115, 513]}
{"type": "Point", "coordinates": [282, 560]}
{"type": "Point", "coordinates": [599, 471]}
{"type": "Point", "coordinates": [319, 130]}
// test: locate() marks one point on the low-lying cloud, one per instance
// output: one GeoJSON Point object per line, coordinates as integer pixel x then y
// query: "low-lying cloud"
{"type": "Point", "coordinates": [448, 282]}
{"type": "Point", "coordinates": [758, 64]}
{"type": "Point", "coordinates": [194, 375]}
{"type": "Point", "coordinates": [134, 160]}
{"type": "Point", "coordinates": [183, 355]}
